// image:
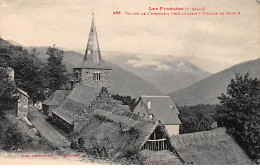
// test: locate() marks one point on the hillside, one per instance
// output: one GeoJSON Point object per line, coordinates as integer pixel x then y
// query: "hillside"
{"type": "Point", "coordinates": [207, 90]}
{"type": "Point", "coordinates": [176, 75]}
{"type": "Point", "coordinates": [168, 73]}
{"type": "Point", "coordinates": [163, 75]}
{"type": "Point", "coordinates": [4, 43]}
{"type": "Point", "coordinates": [124, 82]}
{"type": "Point", "coordinates": [128, 84]}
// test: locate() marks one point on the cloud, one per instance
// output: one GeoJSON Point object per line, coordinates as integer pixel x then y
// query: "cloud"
{"type": "Point", "coordinates": [230, 39]}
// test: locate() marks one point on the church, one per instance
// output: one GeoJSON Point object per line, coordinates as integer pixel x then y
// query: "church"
{"type": "Point", "coordinates": [91, 79]}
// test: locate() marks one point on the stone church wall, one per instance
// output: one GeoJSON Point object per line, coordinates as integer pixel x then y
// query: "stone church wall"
{"type": "Point", "coordinates": [105, 78]}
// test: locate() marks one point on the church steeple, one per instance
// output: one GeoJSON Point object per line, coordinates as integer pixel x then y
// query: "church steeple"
{"type": "Point", "coordinates": [92, 54]}
{"type": "Point", "coordinates": [92, 71]}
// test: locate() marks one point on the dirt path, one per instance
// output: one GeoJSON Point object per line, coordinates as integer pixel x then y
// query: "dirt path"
{"type": "Point", "coordinates": [46, 129]}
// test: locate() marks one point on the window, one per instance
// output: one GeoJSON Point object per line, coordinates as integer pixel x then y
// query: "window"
{"type": "Point", "coordinates": [89, 51]}
{"type": "Point", "coordinates": [96, 76]}
{"type": "Point", "coordinates": [151, 116]}
{"type": "Point", "coordinates": [77, 75]}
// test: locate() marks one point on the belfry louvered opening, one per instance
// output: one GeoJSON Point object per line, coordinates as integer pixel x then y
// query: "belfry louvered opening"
{"type": "Point", "coordinates": [96, 76]}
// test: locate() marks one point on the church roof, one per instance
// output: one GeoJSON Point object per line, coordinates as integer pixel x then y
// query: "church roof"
{"type": "Point", "coordinates": [92, 58]}
{"type": "Point", "coordinates": [79, 98]}
{"type": "Point", "coordinates": [90, 65]}
{"type": "Point", "coordinates": [57, 97]}
{"type": "Point", "coordinates": [163, 109]}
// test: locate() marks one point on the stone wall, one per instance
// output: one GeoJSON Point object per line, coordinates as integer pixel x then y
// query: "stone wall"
{"type": "Point", "coordinates": [48, 109]}
{"type": "Point", "coordinates": [62, 123]}
{"type": "Point", "coordinates": [103, 101]}
{"type": "Point", "coordinates": [105, 78]}
{"type": "Point", "coordinates": [22, 106]}
{"type": "Point", "coordinates": [85, 77]}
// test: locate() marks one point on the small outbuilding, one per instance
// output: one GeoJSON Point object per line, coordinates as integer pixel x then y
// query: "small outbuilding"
{"type": "Point", "coordinates": [54, 101]}
{"type": "Point", "coordinates": [22, 103]}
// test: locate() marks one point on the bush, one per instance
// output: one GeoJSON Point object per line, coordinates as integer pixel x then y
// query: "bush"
{"type": "Point", "coordinates": [196, 118]}
{"type": "Point", "coordinates": [239, 112]}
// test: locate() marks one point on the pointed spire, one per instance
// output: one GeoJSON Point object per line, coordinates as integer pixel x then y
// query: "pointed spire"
{"type": "Point", "coordinates": [92, 55]}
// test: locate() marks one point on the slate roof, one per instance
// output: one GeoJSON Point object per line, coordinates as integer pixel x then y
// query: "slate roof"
{"type": "Point", "coordinates": [79, 98]}
{"type": "Point", "coordinates": [57, 97]}
{"type": "Point", "coordinates": [91, 65]}
{"type": "Point", "coordinates": [163, 109]}
{"type": "Point", "coordinates": [213, 147]}
{"type": "Point", "coordinates": [92, 58]}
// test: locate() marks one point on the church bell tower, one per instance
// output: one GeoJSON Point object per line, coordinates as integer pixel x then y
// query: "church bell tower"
{"type": "Point", "coordinates": [92, 71]}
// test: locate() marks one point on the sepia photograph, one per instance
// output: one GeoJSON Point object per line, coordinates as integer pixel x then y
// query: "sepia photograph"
{"type": "Point", "coordinates": [129, 82]}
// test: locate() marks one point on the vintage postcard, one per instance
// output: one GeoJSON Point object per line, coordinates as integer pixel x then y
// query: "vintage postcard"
{"type": "Point", "coordinates": [120, 82]}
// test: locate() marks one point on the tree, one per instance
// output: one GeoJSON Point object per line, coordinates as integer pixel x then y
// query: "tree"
{"type": "Point", "coordinates": [7, 89]}
{"type": "Point", "coordinates": [196, 118]}
{"type": "Point", "coordinates": [126, 100]}
{"type": "Point", "coordinates": [239, 112]}
{"type": "Point", "coordinates": [29, 73]}
{"type": "Point", "coordinates": [55, 70]}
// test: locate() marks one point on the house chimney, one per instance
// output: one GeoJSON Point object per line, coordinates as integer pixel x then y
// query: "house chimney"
{"type": "Point", "coordinates": [149, 104]}
{"type": "Point", "coordinates": [72, 84]}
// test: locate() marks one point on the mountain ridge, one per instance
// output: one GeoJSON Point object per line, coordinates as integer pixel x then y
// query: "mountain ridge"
{"type": "Point", "coordinates": [207, 90]}
{"type": "Point", "coordinates": [124, 82]}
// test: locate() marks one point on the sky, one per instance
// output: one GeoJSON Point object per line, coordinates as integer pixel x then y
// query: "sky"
{"type": "Point", "coordinates": [230, 38]}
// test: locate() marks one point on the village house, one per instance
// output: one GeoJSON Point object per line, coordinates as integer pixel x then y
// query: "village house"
{"type": "Point", "coordinates": [54, 101]}
{"type": "Point", "coordinates": [161, 108]}
{"type": "Point", "coordinates": [22, 102]}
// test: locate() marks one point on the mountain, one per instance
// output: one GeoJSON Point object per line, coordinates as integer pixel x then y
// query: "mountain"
{"type": "Point", "coordinates": [207, 90]}
{"type": "Point", "coordinates": [128, 84]}
{"type": "Point", "coordinates": [168, 73]}
{"type": "Point", "coordinates": [14, 43]}
{"type": "Point", "coordinates": [163, 75]}
{"type": "Point", "coordinates": [169, 76]}
{"type": "Point", "coordinates": [124, 82]}
{"type": "Point", "coordinates": [4, 43]}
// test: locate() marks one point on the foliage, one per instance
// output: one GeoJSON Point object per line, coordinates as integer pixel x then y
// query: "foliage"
{"type": "Point", "coordinates": [29, 74]}
{"type": "Point", "coordinates": [239, 112]}
{"type": "Point", "coordinates": [55, 71]}
{"type": "Point", "coordinates": [131, 158]}
{"type": "Point", "coordinates": [196, 118]}
{"type": "Point", "coordinates": [10, 136]}
{"type": "Point", "coordinates": [127, 100]}
{"type": "Point", "coordinates": [7, 89]}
